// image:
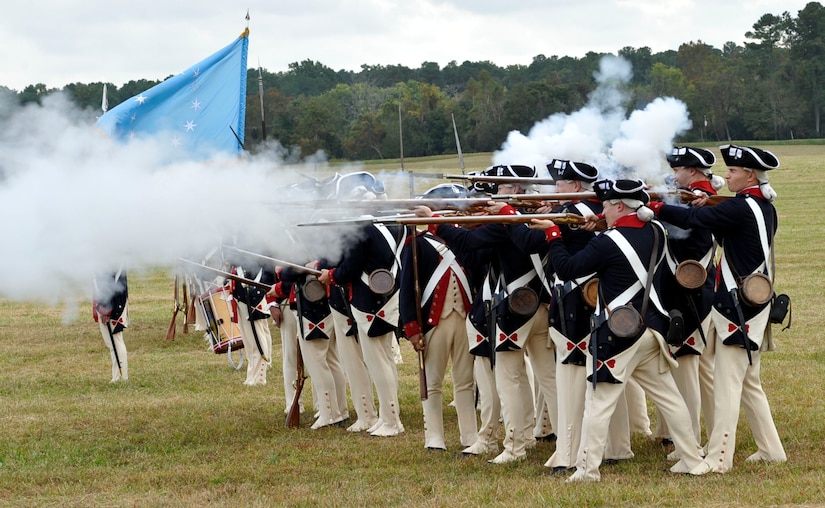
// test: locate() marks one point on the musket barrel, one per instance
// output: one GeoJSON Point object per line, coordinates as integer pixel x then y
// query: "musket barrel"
{"type": "Point", "coordinates": [561, 218]}
{"type": "Point", "coordinates": [276, 261]}
{"type": "Point", "coordinates": [231, 276]}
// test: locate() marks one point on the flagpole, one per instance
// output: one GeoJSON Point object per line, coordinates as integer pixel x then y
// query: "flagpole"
{"type": "Point", "coordinates": [261, 94]}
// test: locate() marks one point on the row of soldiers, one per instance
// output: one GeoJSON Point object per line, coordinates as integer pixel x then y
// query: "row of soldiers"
{"type": "Point", "coordinates": [511, 307]}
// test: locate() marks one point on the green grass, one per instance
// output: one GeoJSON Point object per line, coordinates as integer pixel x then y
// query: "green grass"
{"type": "Point", "coordinates": [184, 431]}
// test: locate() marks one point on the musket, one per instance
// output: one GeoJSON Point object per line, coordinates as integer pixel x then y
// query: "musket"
{"type": "Point", "coordinates": [458, 145]}
{"type": "Point", "coordinates": [293, 417]}
{"type": "Point", "coordinates": [170, 333]}
{"type": "Point", "coordinates": [558, 218]}
{"type": "Point", "coordinates": [276, 261]}
{"type": "Point", "coordinates": [516, 200]}
{"type": "Point", "coordinates": [422, 372]}
{"type": "Point", "coordinates": [228, 275]}
{"type": "Point", "coordinates": [185, 306]}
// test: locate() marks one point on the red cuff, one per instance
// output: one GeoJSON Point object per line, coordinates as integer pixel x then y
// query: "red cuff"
{"type": "Point", "coordinates": [508, 210]}
{"type": "Point", "coordinates": [433, 228]}
{"type": "Point", "coordinates": [656, 206]}
{"type": "Point", "coordinates": [411, 329]}
{"type": "Point", "coordinates": [552, 233]}
{"type": "Point", "coordinates": [332, 276]}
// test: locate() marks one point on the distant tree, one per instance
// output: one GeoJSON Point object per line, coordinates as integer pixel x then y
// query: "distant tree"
{"type": "Point", "coordinates": [807, 46]}
{"type": "Point", "coordinates": [307, 78]}
{"type": "Point", "coordinates": [34, 93]}
{"type": "Point", "coordinates": [486, 113]}
{"type": "Point", "coordinates": [642, 61]}
{"type": "Point", "coordinates": [772, 105]}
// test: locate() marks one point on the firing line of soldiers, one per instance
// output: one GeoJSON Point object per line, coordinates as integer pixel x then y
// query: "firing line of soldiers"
{"type": "Point", "coordinates": [552, 323]}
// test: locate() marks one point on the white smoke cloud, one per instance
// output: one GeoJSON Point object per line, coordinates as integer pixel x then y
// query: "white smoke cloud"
{"type": "Point", "coordinates": [601, 133]}
{"type": "Point", "coordinates": [74, 204]}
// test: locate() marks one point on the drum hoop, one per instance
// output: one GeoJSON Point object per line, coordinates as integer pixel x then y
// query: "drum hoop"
{"type": "Point", "coordinates": [381, 281]}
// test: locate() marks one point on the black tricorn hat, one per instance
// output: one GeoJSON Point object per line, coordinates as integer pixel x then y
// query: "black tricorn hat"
{"type": "Point", "coordinates": [568, 170]}
{"type": "Point", "coordinates": [446, 190]}
{"type": "Point", "coordinates": [749, 157]}
{"type": "Point", "coordinates": [690, 157]}
{"type": "Point", "coordinates": [514, 170]}
{"type": "Point", "coordinates": [607, 189]}
{"type": "Point", "coordinates": [484, 187]}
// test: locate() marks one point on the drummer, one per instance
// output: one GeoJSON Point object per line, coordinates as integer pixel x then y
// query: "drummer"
{"type": "Point", "coordinates": [745, 227]}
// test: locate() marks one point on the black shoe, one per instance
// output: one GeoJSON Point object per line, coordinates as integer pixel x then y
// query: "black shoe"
{"type": "Point", "coordinates": [610, 462]}
{"type": "Point", "coordinates": [549, 438]}
{"type": "Point", "coordinates": [666, 441]}
{"type": "Point", "coordinates": [561, 471]}
{"type": "Point", "coordinates": [434, 449]}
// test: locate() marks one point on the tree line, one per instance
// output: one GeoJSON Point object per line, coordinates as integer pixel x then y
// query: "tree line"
{"type": "Point", "coordinates": [768, 88]}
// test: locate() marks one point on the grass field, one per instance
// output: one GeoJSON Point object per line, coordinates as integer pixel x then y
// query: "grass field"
{"type": "Point", "coordinates": [184, 431]}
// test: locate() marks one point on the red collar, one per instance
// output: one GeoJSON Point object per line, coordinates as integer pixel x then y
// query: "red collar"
{"type": "Point", "coordinates": [629, 221]}
{"type": "Point", "coordinates": [704, 186]}
{"type": "Point", "coordinates": [754, 191]}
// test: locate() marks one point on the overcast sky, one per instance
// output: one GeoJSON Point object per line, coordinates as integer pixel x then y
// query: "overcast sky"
{"type": "Point", "coordinates": [58, 42]}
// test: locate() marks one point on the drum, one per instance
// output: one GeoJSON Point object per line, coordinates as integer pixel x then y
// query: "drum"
{"type": "Point", "coordinates": [224, 334]}
{"type": "Point", "coordinates": [590, 292]}
{"type": "Point", "coordinates": [756, 289]}
{"type": "Point", "coordinates": [690, 274]}
{"type": "Point", "coordinates": [381, 281]}
{"type": "Point", "coordinates": [523, 301]}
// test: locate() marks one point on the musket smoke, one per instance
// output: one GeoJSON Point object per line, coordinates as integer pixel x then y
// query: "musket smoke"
{"type": "Point", "coordinates": [601, 133]}
{"type": "Point", "coordinates": [75, 203]}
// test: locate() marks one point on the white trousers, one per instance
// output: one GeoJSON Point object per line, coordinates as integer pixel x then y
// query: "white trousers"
{"type": "Point", "coordinates": [448, 342]}
{"type": "Point", "coordinates": [121, 371]}
{"type": "Point", "coordinates": [600, 403]}
{"type": "Point", "coordinates": [512, 382]}
{"type": "Point", "coordinates": [256, 362]}
{"type": "Point", "coordinates": [355, 370]}
{"type": "Point", "coordinates": [737, 383]}
{"type": "Point", "coordinates": [327, 377]}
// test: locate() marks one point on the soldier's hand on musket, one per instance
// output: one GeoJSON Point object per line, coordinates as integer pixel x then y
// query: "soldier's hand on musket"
{"type": "Point", "coordinates": [541, 224]}
{"type": "Point", "coordinates": [324, 278]}
{"type": "Point", "coordinates": [417, 342]}
{"type": "Point", "coordinates": [700, 200]}
{"type": "Point", "coordinates": [592, 223]}
{"type": "Point", "coordinates": [546, 207]}
{"type": "Point", "coordinates": [495, 207]}
{"type": "Point", "coordinates": [422, 211]}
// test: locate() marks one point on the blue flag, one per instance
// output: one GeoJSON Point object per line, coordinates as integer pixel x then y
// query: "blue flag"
{"type": "Point", "coordinates": [200, 112]}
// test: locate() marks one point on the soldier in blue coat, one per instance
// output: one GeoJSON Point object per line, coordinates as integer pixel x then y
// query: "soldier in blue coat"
{"type": "Point", "coordinates": [373, 256]}
{"type": "Point", "coordinates": [745, 227]}
{"type": "Point", "coordinates": [111, 312]}
{"type": "Point", "coordinates": [621, 257]}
